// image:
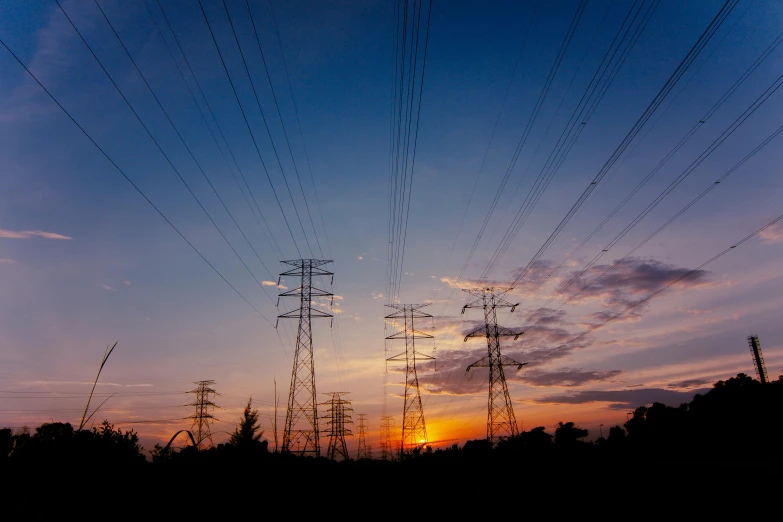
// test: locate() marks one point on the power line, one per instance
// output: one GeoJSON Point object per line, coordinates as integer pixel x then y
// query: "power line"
{"type": "Point", "coordinates": [282, 124]}
{"type": "Point", "coordinates": [665, 287]}
{"type": "Point", "coordinates": [299, 126]}
{"type": "Point", "coordinates": [192, 156]}
{"type": "Point", "coordinates": [128, 179]}
{"type": "Point", "coordinates": [737, 122]}
{"type": "Point", "coordinates": [265, 229]}
{"type": "Point", "coordinates": [646, 115]}
{"type": "Point", "coordinates": [266, 125]}
{"type": "Point", "coordinates": [247, 124]}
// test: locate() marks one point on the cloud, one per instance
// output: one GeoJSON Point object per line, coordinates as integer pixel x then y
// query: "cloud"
{"type": "Point", "coordinates": [625, 399]}
{"type": "Point", "coordinates": [126, 283]}
{"type": "Point", "coordinates": [773, 234]}
{"type": "Point", "coordinates": [86, 383]}
{"type": "Point", "coordinates": [689, 383]}
{"type": "Point", "coordinates": [377, 295]}
{"type": "Point", "coordinates": [359, 257]}
{"type": "Point", "coordinates": [633, 278]}
{"type": "Point", "coordinates": [27, 234]}
{"type": "Point", "coordinates": [109, 288]}
{"type": "Point", "coordinates": [7, 261]}
{"type": "Point", "coordinates": [272, 283]}
{"type": "Point", "coordinates": [568, 377]}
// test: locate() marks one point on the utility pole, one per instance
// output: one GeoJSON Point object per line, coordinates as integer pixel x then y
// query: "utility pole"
{"type": "Point", "coordinates": [364, 451]}
{"type": "Point", "coordinates": [301, 418]}
{"type": "Point", "coordinates": [202, 416]}
{"type": "Point", "coordinates": [501, 422]}
{"type": "Point", "coordinates": [758, 359]}
{"type": "Point", "coordinates": [338, 415]}
{"type": "Point", "coordinates": [387, 423]}
{"type": "Point", "coordinates": [414, 431]}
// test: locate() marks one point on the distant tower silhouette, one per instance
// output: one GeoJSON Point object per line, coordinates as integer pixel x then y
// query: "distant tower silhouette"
{"type": "Point", "coordinates": [364, 451]}
{"type": "Point", "coordinates": [501, 422]}
{"type": "Point", "coordinates": [758, 359]}
{"type": "Point", "coordinates": [338, 415]}
{"type": "Point", "coordinates": [201, 418]}
{"type": "Point", "coordinates": [301, 418]}
{"type": "Point", "coordinates": [414, 431]}
{"type": "Point", "coordinates": [387, 424]}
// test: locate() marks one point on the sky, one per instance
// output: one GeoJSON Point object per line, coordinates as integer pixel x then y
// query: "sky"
{"type": "Point", "coordinates": [86, 260]}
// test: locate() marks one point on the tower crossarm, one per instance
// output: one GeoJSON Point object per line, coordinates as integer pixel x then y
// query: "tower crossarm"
{"type": "Point", "coordinates": [480, 299]}
{"type": "Point", "coordinates": [500, 331]}
{"type": "Point", "coordinates": [485, 362]}
{"type": "Point", "coordinates": [418, 354]}
{"type": "Point", "coordinates": [411, 333]}
{"type": "Point", "coordinates": [295, 314]}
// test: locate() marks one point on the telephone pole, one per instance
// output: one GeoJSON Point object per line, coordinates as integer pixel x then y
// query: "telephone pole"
{"type": "Point", "coordinates": [758, 359]}
{"type": "Point", "coordinates": [414, 431]}
{"type": "Point", "coordinates": [338, 415]}
{"type": "Point", "coordinates": [501, 422]}
{"type": "Point", "coordinates": [301, 418]}
{"type": "Point", "coordinates": [364, 451]}
{"type": "Point", "coordinates": [387, 423]}
{"type": "Point", "coordinates": [201, 418]}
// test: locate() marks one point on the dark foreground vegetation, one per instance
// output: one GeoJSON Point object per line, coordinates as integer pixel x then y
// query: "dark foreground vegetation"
{"type": "Point", "coordinates": [731, 433]}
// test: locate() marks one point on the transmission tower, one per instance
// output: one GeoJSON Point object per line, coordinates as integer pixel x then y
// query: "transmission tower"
{"type": "Point", "coordinates": [301, 418]}
{"type": "Point", "coordinates": [364, 451]}
{"type": "Point", "coordinates": [758, 359]}
{"type": "Point", "coordinates": [202, 416]}
{"type": "Point", "coordinates": [338, 415]}
{"type": "Point", "coordinates": [501, 422]}
{"type": "Point", "coordinates": [387, 424]}
{"type": "Point", "coordinates": [414, 432]}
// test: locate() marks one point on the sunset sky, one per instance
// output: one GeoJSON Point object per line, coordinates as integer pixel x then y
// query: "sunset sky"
{"type": "Point", "coordinates": [86, 261]}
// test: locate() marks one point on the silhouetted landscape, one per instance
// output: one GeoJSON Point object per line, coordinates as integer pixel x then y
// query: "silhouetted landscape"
{"type": "Point", "coordinates": [734, 428]}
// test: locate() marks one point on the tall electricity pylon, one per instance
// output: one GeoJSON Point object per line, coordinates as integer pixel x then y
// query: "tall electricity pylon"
{"type": "Point", "coordinates": [338, 415]}
{"type": "Point", "coordinates": [364, 451]}
{"type": "Point", "coordinates": [758, 359]}
{"type": "Point", "coordinates": [301, 419]}
{"type": "Point", "coordinates": [501, 422]}
{"type": "Point", "coordinates": [414, 431]}
{"type": "Point", "coordinates": [202, 416]}
{"type": "Point", "coordinates": [387, 424]}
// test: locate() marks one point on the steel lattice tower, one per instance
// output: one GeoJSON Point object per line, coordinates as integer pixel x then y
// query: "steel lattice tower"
{"type": "Point", "coordinates": [364, 451]}
{"type": "Point", "coordinates": [202, 416]}
{"type": "Point", "coordinates": [758, 359]}
{"type": "Point", "coordinates": [338, 415]}
{"type": "Point", "coordinates": [414, 431]}
{"type": "Point", "coordinates": [387, 453]}
{"type": "Point", "coordinates": [301, 419]}
{"type": "Point", "coordinates": [501, 422]}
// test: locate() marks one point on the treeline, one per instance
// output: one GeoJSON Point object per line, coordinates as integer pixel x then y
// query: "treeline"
{"type": "Point", "coordinates": [738, 423]}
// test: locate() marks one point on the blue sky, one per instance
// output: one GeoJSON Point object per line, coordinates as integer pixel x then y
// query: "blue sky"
{"type": "Point", "coordinates": [86, 261]}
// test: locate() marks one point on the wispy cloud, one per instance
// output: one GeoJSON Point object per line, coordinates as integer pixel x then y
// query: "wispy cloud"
{"type": "Point", "coordinates": [624, 399]}
{"type": "Point", "coordinates": [568, 377]}
{"type": "Point", "coordinates": [109, 288]}
{"type": "Point", "coordinates": [7, 261]}
{"type": "Point", "coordinates": [272, 283]}
{"type": "Point", "coordinates": [126, 283]}
{"type": "Point", "coordinates": [27, 234]}
{"type": "Point", "coordinates": [773, 234]}
{"type": "Point", "coordinates": [87, 383]}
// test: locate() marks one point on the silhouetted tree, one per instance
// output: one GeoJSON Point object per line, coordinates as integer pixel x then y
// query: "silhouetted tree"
{"type": "Point", "coordinates": [248, 433]}
{"type": "Point", "coordinates": [6, 442]}
{"type": "Point", "coordinates": [569, 434]}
